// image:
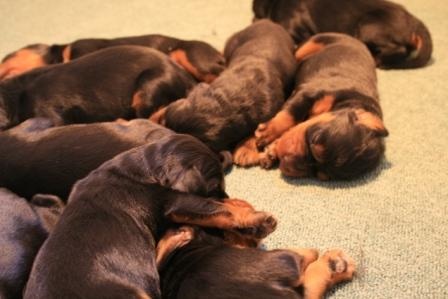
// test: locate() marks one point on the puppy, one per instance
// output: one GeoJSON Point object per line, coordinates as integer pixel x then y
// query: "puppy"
{"type": "Point", "coordinates": [117, 82]}
{"type": "Point", "coordinates": [251, 90]}
{"type": "Point", "coordinates": [396, 38]}
{"type": "Point", "coordinates": [37, 159]}
{"type": "Point", "coordinates": [331, 126]}
{"type": "Point", "coordinates": [24, 226]}
{"type": "Point", "coordinates": [188, 256]}
{"type": "Point", "coordinates": [104, 243]}
{"type": "Point", "coordinates": [198, 58]}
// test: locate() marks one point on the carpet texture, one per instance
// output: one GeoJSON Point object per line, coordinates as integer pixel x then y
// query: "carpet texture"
{"type": "Point", "coordinates": [393, 222]}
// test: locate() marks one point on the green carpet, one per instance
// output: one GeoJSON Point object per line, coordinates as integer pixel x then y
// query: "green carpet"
{"type": "Point", "coordinates": [393, 222]}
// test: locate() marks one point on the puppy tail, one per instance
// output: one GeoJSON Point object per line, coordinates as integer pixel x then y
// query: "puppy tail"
{"type": "Point", "coordinates": [226, 160]}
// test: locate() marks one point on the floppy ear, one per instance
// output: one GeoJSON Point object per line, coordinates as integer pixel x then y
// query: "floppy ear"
{"type": "Point", "coordinates": [373, 122]}
{"type": "Point", "coordinates": [189, 181]}
{"type": "Point", "coordinates": [47, 201]}
{"type": "Point", "coordinates": [49, 208]}
{"type": "Point", "coordinates": [318, 151]}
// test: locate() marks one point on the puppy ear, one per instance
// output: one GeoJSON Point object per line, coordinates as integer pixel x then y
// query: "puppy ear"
{"type": "Point", "coordinates": [47, 201]}
{"type": "Point", "coordinates": [373, 122]}
{"type": "Point", "coordinates": [318, 152]}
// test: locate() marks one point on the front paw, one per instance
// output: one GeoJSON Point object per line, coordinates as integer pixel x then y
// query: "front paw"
{"type": "Point", "coordinates": [246, 154]}
{"type": "Point", "coordinates": [268, 157]}
{"type": "Point", "coordinates": [265, 134]}
{"type": "Point", "coordinates": [261, 225]}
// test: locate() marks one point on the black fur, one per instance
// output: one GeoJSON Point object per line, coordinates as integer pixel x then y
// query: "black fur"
{"type": "Point", "coordinates": [96, 87]}
{"type": "Point", "coordinates": [252, 88]}
{"type": "Point", "coordinates": [24, 226]}
{"type": "Point", "coordinates": [385, 27]}
{"type": "Point", "coordinates": [103, 245]}
{"type": "Point", "coordinates": [202, 56]}
{"type": "Point", "coordinates": [37, 159]}
{"type": "Point", "coordinates": [208, 268]}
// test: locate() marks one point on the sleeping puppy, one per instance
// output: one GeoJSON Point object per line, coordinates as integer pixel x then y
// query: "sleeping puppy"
{"type": "Point", "coordinates": [395, 37]}
{"type": "Point", "coordinates": [331, 126]}
{"type": "Point", "coordinates": [251, 90]}
{"type": "Point", "coordinates": [117, 82]}
{"type": "Point", "coordinates": [24, 226]}
{"type": "Point", "coordinates": [198, 58]}
{"type": "Point", "coordinates": [187, 256]}
{"type": "Point", "coordinates": [37, 159]}
{"type": "Point", "coordinates": [104, 243]}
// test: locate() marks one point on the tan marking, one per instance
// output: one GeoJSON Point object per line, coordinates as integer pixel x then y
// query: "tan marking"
{"type": "Point", "coordinates": [268, 132]}
{"type": "Point", "coordinates": [417, 42]}
{"type": "Point", "coordinates": [141, 294]}
{"type": "Point", "coordinates": [137, 101]}
{"type": "Point", "coordinates": [322, 105]}
{"type": "Point", "coordinates": [236, 216]}
{"type": "Point", "coordinates": [371, 121]}
{"type": "Point", "coordinates": [66, 54]}
{"type": "Point", "coordinates": [180, 57]}
{"type": "Point", "coordinates": [22, 61]}
{"type": "Point", "coordinates": [319, 277]}
{"type": "Point", "coordinates": [158, 117]}
{"type": "Point", "coordinates": [122, 121]}
{"type": "Point", "coordinates": [246, 153]}
{"type": "Point", "coordinates": [307, 49]}
{"type": "Point", "coordinates": [172, 240]}
{"type": "Point", "coordinates": [292, 142]}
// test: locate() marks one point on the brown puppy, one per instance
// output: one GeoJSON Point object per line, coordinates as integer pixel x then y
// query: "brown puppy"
{"type": "Point", "coordinates": [197, 57]}
{"type": "Point", "coordinates": [395, 37]}
{"type": "Point", "coordinates": [251, 90]}
{"type": "Point", "coordinates": [188, 255]}
{"type": "Point", "coordinates": [331, 126]}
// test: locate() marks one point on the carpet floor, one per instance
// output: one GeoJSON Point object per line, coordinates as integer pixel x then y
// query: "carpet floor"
{"type": "Point", "coordinates": [393, 222]}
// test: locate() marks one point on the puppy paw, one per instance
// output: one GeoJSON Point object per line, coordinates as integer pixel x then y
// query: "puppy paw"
{"type": "Point", "coordinates": [266, 133]}
{"type": "Point", "coordinates": [268, 157]}
{"type": "Point", "coordinates": [172, 240]}
{"type": "Point", "coordinates": [261, 225]}
{"type": "Point", "coordinates": [341, 266]}
{"type": "Point", "coordinates": [246, 154]}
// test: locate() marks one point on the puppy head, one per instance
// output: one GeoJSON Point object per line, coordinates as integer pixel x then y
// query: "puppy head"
{"type": "Point", "coordinates": [338, 145]}
{"type": "Point", "coordinates": [183, 163]}
{"type": "Point", "coordinates": [23, 60]}
{"type": "Point", "coordinates": [395, 38]}
{"type": "Point", "coordinates": [200, 59]}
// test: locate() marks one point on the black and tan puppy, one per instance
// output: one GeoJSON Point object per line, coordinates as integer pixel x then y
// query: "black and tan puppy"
{"type": "Point", "coordinates": [331, 126]}
{"type": "Point", "coordinates": [251, 90]}
{"type": "Point", "coordinates": [24, 226]}
{"type": "Point", "coordinates": [37, 159]}
{"type": "Point", "coordinates": [104, 243]}
{"type": "Point", "coordinates": [395, 37]}
{"type": "Point", "coordinates": [195, 264]}
{"type": "Point", "coordinates": [199, 58]}
{"type": "Point", "coordinates": [117, 82]}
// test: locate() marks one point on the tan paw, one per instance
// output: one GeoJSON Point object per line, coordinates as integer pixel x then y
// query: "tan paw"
{"type": "Point", "coordinates": [246, 154]}
{"type": "Point", "coordinates": [342, 267]}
